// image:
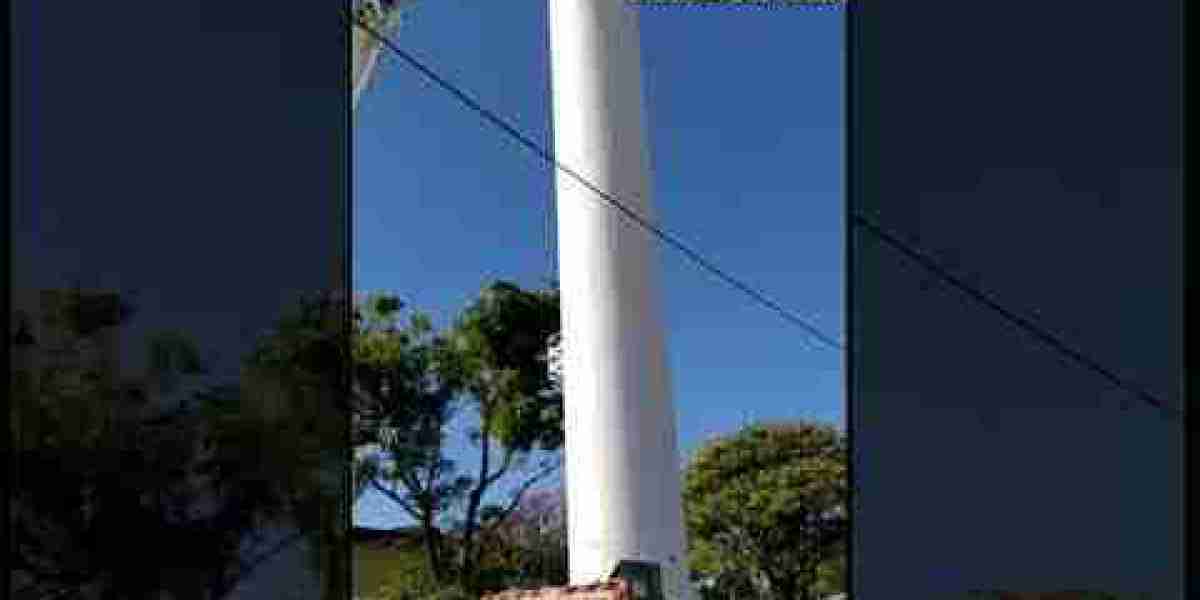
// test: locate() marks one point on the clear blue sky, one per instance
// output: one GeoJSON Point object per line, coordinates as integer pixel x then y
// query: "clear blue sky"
{"type": "Point", "coordinates": [745, 124]}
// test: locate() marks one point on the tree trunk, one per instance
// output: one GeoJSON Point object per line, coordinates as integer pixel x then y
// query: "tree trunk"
{"type": "Point", "coordinates": [432, 549]}
{"type": "Point", "coordinates": [467, 575]}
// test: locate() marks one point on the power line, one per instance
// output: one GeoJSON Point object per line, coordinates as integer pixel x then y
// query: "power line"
{"type": "Point", "coordinates": [657, 231]}
{"type": "Point", "coordinates": [860, 220]}
{"type": "Point", "coordinates": [1047, 338]}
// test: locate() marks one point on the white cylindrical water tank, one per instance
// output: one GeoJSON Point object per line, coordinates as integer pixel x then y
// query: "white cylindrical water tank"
{"type": "Point", "coordinates": [623, 489]}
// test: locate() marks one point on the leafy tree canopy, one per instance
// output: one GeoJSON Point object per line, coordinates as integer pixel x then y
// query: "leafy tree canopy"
{"type": "Point", "coordinates": [766, 507]}
{"type": "Point", "coordinates": [410, 381]}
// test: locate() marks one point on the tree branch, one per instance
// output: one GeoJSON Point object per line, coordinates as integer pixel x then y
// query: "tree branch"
{"type": "Point", "coordinates": [394, 497]}
{"type": "Point", "coordinates": [506, 462]}
{"type": "Point", "coordinates": [516, 499]}
{"type": "Point", "coordinates": [475, 498]}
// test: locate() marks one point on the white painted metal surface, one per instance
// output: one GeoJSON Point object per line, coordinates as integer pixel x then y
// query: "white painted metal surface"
{"type": "Point", "coordinates": [363, 68]}
{"type": "Point", "coordinates": [385, 18]}
{"type": "Point", "coordinates": [623, 493]}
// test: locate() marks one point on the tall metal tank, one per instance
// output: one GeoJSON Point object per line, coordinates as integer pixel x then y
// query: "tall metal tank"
{"type": "Point", "coordinates": [623, 479]}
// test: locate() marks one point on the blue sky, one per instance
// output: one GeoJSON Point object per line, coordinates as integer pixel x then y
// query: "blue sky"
{"type": "Point", "coordinates": [744, 111]}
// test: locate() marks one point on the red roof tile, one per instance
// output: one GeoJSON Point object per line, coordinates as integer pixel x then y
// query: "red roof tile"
{"type": "Point", "coordinates": [613, 589]}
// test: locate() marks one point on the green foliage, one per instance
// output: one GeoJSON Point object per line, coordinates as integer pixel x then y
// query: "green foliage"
{"type": "Point", "coordinates": [259, 449]}
{"type": "Point", "coordinates": [496, 353]}
{"type": "Point", "coordinates": [411, 580]}
{"type": "Point", "coordinates": [291, 420]}
{"type": "Point", "coordinates": [410, 381]}
{"type": "Point", "coordinates": [82, 313]}
{"type": "Point", "coordinates": [172, 354]}
{"type": "Point", "coordinates": [183, 490]}
{"type": "Point", "coordinates": [306, 350]}
{"type": "Point", "coordinates": [527, 549]}
{"type": "Point", "coordinates": [402, 406]}
{"type": "Point", "coordinates": [768, 504]}
{"type": "Point", "coordinates": [398, 573]}
{"type": "Point", "coordinates": [174, 351]}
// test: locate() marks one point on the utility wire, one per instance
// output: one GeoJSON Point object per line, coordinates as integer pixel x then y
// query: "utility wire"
{"type": "Point", "coordinates": [1047, 338]}
{"type": "Point", "coordinates": [549, 158]}
{"type": "Point", "coordinates": [860, 220]}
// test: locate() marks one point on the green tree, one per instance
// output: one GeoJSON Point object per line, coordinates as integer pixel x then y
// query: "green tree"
{"type": "Point", "coordinates": [401, 407]}
{"type": "Point", "coordinates": [766, 508]}
{"type": "Point", "coordinates": [495, 357]}
{"type": "Point", "coordinates": [527, 550]}
{"type": "Point", "coordinates": [100, 460]}
{"type": "Point", "coordinates": [409, 381]}
{"type": "Point", "coordinates": [291, 416]}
